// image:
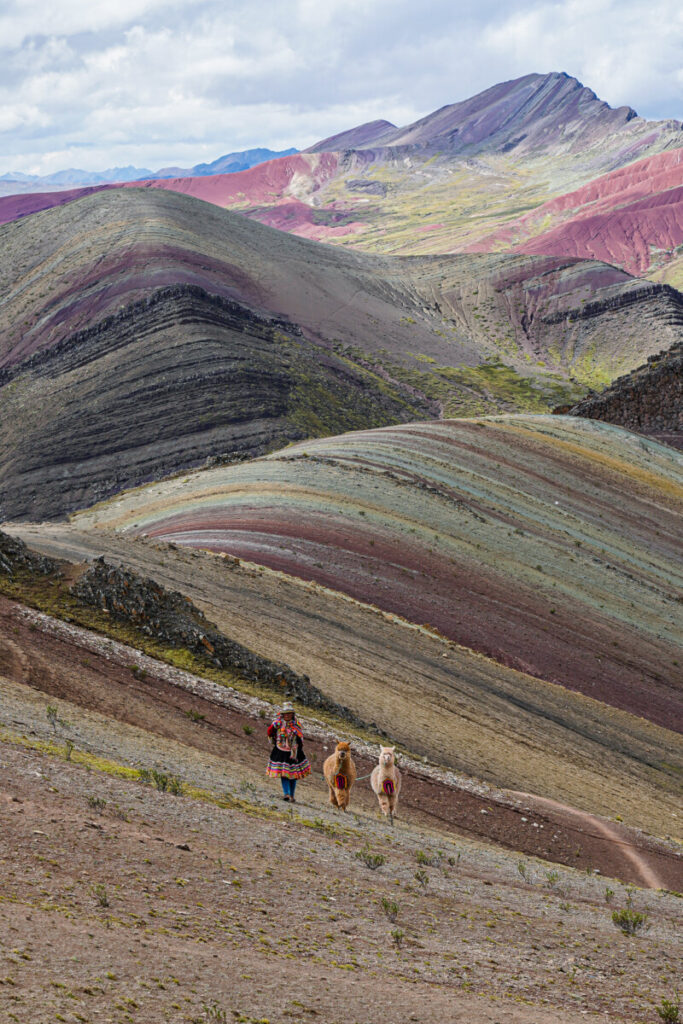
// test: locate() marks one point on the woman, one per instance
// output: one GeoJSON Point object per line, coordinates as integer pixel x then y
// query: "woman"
{"type": "Point", "coordinates": [287, 759]}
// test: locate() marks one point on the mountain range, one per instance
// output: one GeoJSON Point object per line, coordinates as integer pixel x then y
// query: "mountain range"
{"type": "Point", "coordinates": [539, 164]}
{"type": "Point", "coordinates": [118, 301]}
{"type": "Point", "coordinates": [16, 182]}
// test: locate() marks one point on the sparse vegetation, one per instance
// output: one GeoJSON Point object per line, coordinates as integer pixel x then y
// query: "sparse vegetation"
{"type": "Point", "coordinates": [99, 891]}
{"type": "Point", "coordinates": [390, 908]}
{"type": "Point", "coordinates": [669, 1010]}
{"type": "Point", "coordinates": [212, 1013]}
{"type": "Point", "coordinates": [370, 859]}
{"type": "Point", "coordinates": [524, 871]}
{"type": "Point", "coordinates": [630, 921]}
{"type": "Point", "coordinates": [431, 860]}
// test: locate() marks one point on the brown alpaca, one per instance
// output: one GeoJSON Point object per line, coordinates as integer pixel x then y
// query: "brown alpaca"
{"type": "Point", "coordinates": [340, 773]}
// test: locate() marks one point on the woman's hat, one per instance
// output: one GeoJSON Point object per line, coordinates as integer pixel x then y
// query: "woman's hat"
{"type": "Point", "coordinates": [287, 707]}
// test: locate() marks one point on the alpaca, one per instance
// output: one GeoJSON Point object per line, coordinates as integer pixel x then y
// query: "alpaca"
{"type": "Point", "coordinates": [386, 782]}
{"type": "Point", "coordinates": [340, 773]}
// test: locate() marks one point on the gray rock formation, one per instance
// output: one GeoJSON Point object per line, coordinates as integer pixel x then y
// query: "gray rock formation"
{"type": "Point", "coordinates": [649, 400]}
{"type": "Point", "coordinates": [171, 618]}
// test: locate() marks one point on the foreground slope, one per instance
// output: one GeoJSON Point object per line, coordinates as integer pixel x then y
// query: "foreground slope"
{"type": "Point", "coordinates": [144, 332]}
{"type": "Point", "coordinates": [178, 890]}
{"type": "Point", "coordinates": [550, 544]}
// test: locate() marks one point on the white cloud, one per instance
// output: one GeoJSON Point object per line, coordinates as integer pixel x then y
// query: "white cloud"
{"type": "Point", "coordinates": [154, 82]}
{"type": "Point", "coordinates": [629, 53]}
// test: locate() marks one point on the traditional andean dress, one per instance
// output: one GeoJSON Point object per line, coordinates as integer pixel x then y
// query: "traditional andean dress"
{"type": "Point", "coordinates": [287, 757]}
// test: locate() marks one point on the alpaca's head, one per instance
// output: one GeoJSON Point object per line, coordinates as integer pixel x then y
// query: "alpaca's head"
{"type": "Point", "coordinates": [386, 756]}
{"type": "Point", "coordinates": [343, 752]}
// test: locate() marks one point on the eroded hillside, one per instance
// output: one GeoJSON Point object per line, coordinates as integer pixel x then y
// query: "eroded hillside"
{"type": "Point", "coordinates": [144, 333]}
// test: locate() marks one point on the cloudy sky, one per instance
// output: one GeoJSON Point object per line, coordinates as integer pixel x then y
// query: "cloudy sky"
{"type": "Point", "coordinates": [155, 82]}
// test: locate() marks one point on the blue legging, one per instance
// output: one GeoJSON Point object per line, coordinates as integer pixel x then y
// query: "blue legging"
{"type": "Point", "coordinates": [288, 786]}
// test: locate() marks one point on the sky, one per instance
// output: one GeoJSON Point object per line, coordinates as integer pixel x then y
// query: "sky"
{"type": "Point", "coordinates": [176, 82]}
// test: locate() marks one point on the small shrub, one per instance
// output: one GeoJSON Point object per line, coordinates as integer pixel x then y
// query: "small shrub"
{"type": "Point", "coordinates": [609, 895]}
{"type": "Point", "coordinates": [370, 859]}
{"type": "Point", "coordinates": [397, 935]}
{"type": "Point", "coordinates": [629, 920]}
{"type": "Point", "coordinates": [160, 780]}
{"type": "Point", "coordinates": [175, 786]}
{"type": "Point", "coordinates": [552, 878]}
{"type": "Point", "coordinates": [145, 775]}
{"type": "Point", "coordinates": [454, 861]}
{"type": "Point", "coordinates": [523, 871]}
{"type": "Point", "coordinates": [247, 730]}
{"type": "Point", "coordinates": [430, 860]}
{"type": "Point", "coordinates": [390, 908]}
{"type": "Point", "coordinates": [422, 876]}
{"type": "Point", "coordinates": [68, 749]}
{"type": "Point", "coordinates": [195, 716]}
{"type": "Point", "coordinates": [669, 1011]}
{"type": "Point", "coordinates": [99, 891]}
{"type": "Point", "coordinates": [52, 716]}
{"type": "Point", "coordinates": [212, 1012]}
{"type": "Point", "coordinates": [96, 803]}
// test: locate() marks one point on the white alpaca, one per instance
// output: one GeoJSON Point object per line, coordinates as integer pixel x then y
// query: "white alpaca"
{"type": "Point", "coordinates": [386, 782]}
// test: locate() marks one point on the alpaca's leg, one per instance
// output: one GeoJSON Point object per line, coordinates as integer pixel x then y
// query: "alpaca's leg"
{"type": "Point", "coordinates": [333, 797]}
{"type": "Point", "coordinates": [383, 803]}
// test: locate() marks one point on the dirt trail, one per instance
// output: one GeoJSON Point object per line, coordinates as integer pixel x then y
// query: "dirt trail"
{"type": "Point", "coordinates": [636, 857]}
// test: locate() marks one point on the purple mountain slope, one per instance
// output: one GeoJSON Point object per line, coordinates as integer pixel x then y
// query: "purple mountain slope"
{"type": "Point", "coordinates": [372, 133]}
{"type": "Point", "coordinates": [536, 111]}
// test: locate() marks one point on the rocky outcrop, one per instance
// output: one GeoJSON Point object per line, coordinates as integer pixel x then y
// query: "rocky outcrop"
{"type": "Point", "coordinates": [648, 401]}
{"type": "Point", "coordinates": [171, 618]}
{"type": "Point", "coordinates": [15, 557]}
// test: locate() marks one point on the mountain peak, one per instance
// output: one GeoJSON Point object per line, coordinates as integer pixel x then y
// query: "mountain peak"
{"type": "Point", "coordinates": [535, 111]}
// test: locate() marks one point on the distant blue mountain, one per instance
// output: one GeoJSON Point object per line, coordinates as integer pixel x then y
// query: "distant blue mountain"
{"type": "Point", "coordinates": [228, 164]}
{"type": "Point", "coordinates": [16, 181]}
